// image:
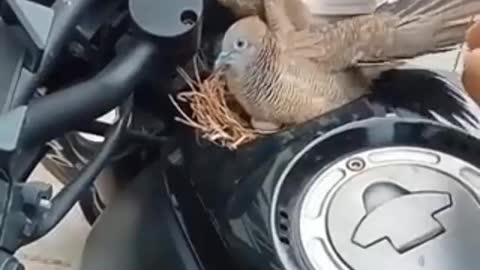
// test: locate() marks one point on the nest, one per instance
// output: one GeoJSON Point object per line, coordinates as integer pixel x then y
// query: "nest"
{"type": "Point", "coordinates": [214, 112]}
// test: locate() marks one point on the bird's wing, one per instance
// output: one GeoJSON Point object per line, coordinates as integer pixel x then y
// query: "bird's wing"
{"type": "Point", "coordinates": [428, 26]}
{"type": "Point", "coordinates": [414, 28]}
{"type": "Point", "coordinates": [277, 18]}
{"type": "Point", "coordinates": [298, 13]}
{"type": "Point", "coordinates": [243, 8]}
{"type": "Point", "coordinates": [342, 44]}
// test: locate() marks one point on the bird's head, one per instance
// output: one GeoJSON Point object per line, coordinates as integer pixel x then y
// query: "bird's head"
{"type": "Point", "coordinates": [241, 44]}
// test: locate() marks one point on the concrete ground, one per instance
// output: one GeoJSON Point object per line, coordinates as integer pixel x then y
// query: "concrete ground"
{"type": "Point", "coordinates": [62, 247]}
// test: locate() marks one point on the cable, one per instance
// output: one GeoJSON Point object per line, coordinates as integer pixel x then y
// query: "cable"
{"type": "Point", "coordinates": [68, 196]}
{"type": "Point", "coordinates": [99, 128]}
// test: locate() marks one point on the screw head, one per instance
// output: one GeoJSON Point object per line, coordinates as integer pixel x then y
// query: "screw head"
{"type": "Point", "coordinates": [45, 204]}
{"type": "Point", "coordinates": [356, 164]}
{"type": "Point", "coordinates": [77, 49]}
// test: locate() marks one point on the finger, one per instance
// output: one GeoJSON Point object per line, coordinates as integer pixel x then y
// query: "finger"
{"type": "Point", "coordinates": [473, 36]}
{"type": "Point", "coordinates": [471, 74]}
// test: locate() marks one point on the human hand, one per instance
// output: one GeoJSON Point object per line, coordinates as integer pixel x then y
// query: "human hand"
{"type": "Point", "coordinates": [471, 73]}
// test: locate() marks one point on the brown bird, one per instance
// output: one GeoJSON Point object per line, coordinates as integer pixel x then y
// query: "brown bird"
{"type": "Point", "coordinates": [284, 76]}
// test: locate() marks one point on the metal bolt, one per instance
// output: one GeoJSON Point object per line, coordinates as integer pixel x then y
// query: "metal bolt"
{"type": "Point", "coordinates": [188, 17]}
{"type": "Point", "coordinates": [45, 204]}
{"type": "Point", "coordinates": [76, 49]}
{"type": "Point", "coordinates": [28, 228]}
{"type": "Point", "coordinates": [356, 164]}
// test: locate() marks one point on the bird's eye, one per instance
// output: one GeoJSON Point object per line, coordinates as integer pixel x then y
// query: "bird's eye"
{"type": "Point", "coordinates": [241, 44]}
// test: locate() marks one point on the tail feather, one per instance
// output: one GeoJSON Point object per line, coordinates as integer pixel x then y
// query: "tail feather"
{"type": "Point", "coordinates": [451, 33]}
{"type": "Point", "coordinates": [409, 8]}
{"type": "Point", "coordinates": [434, 8]}
{"type": "Point", "coordinates": [429, 26]}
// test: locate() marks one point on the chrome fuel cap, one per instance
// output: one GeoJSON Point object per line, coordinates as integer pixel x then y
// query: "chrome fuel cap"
{"type": "Point", "coordinates": [392, 208]}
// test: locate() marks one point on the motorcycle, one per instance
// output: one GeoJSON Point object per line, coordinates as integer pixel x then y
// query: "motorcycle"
{"type": "Point", "coordinates": [388, 180]}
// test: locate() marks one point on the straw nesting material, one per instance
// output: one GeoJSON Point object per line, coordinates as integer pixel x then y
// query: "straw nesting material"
{"type": "Point", "coordinates": [215, 114]}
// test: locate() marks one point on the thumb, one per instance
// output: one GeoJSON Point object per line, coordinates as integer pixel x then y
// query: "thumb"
{"type": "Point", "coordinates": [471, 74]}
{"type": "Point", "coordinates": [473, 36]}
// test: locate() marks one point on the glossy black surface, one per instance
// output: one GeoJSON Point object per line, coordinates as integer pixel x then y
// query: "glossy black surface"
{"type": "Point", "coordinates": [12, 55]}
{"type": "Point", "coordinates": [140, 230]}
{"type": "Point", "coordinates": [237, 187]}
{"type": "Point", "coordinates": [353, 138]}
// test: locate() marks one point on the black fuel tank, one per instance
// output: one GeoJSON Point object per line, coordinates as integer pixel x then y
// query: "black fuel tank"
{"type": "Point", "coordinates": [396, 141]}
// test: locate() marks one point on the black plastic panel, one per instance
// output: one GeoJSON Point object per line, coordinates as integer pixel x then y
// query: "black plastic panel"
{"type": "Point", "coordinates": [140, 231]}
{"type": "Point", "coordinates": [11, 55]}
{"type": "Point", "coordinates": [237, 187]}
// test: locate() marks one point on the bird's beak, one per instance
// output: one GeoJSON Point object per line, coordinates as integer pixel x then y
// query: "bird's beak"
{"type": "Point", "coordinates": [221, 61]}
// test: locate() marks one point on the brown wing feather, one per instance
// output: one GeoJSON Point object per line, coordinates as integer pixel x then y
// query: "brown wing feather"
{"type": "Point", "coordinates": [416, 28]}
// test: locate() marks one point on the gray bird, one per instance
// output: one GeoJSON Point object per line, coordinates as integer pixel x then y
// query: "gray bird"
{"type": "Point", "coordinates": [281, 75]}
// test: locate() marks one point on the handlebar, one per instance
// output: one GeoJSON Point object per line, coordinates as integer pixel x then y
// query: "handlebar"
{"type": "Point", "coordinates": [43, 118]}
{"type": "Point", "coordinates": [85, 101]}
{"type": "Point", "coordinates": [28, 123]}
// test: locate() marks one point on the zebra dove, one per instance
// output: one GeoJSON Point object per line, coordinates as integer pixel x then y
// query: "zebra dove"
{"type": "Point", "coordinates": [281, 75]}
